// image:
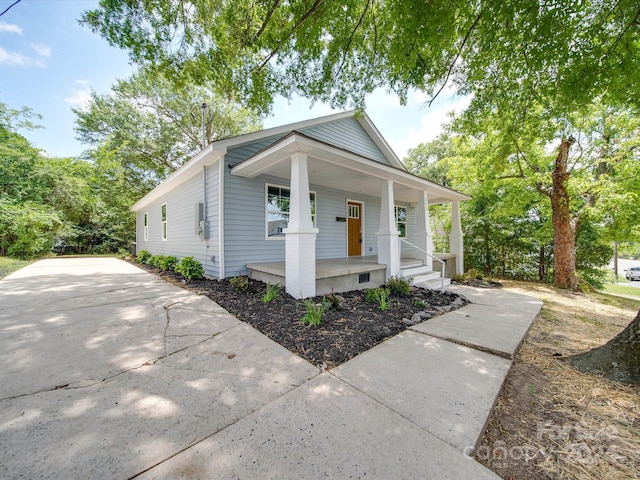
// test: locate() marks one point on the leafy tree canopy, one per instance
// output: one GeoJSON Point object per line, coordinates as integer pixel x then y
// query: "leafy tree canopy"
{"type": "Point", "coordinates": [155, 126]}
{"type": "Point", "coordinates": [505, 52]}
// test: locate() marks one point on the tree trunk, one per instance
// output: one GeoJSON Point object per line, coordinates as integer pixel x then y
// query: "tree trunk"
{"type": "Point", "coordinates": [619, 359]}
{"type": "Point", "coordinates": [541, 263]}
{"type": "Point", "coordinates": [564, 238]}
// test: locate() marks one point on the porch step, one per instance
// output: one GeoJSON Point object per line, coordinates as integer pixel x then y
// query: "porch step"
{"type": "Point", "coordinates": [433, 284]}
{"type": "Point", "coordinates": [423, 276]}
{"type": "Point", "coordinates": [420, 270]}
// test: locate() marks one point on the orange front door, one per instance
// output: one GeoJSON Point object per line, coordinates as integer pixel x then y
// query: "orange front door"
{"type": "Point", "coordinates": [354, 228]}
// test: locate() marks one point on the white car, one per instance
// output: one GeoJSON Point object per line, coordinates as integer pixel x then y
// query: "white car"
{"type": "Point", "coordinates": [632, 273]}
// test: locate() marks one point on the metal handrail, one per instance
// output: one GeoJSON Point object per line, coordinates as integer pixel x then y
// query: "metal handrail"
{"type": "Point", "coordinates": [443, 262]}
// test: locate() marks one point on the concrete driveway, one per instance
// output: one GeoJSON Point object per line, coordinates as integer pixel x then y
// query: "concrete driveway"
{"type": "Point", "coordinates": [109, 372]}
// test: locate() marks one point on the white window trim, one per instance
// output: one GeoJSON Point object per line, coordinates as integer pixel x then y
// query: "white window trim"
{"type": "Point", "coordinates": [266, 210]}
{"type": "Point", "coordinates": [164, 228]}
{"type": "Point", "coordinates": [145, 225]}
{"type": "Point", "coordinates": [395, 214]}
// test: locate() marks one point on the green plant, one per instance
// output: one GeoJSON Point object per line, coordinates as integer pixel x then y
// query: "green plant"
{"type": "Point", "coordinates": [420, 304]}
{"type": "Point", "coordinates": [167, 262]}
{"type": "Point", "coordinates": [190, 269]}
{"type": "Point", "coordinates": [334, 301]}
{"type": "Point", "coordinates": [399, 287]}
{"type": "Point", "coordinates": [378, 295]}
{"type": "Point", "coordinates": [314, 313]}
{"type": "Point", "coordinates": [144, 256]}
{"type": "Point", "coordinates": [240, 283]}
{"type": "Point", "coordinates": [153, 261]}
{"type": "Point", "coordinates": [271, 293]}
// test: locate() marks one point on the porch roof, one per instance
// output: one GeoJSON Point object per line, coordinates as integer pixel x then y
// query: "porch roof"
{"type": "Point", "coordinates": [341, 169]}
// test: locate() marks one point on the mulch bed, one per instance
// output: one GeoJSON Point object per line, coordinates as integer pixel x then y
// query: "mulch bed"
{"type": "Point", "coordinates": [356, 327]}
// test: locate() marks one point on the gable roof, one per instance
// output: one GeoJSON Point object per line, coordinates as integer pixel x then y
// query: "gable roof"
{"type": "Point", "coordinates": [217, 149]}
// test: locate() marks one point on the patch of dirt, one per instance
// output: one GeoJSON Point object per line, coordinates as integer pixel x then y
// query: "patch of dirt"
{"type": "Point", "coordinates": [478, 282]}
{"type": "Point", "coordinates": [356, 326]}
{"type": "Point", "coordinates": [552, 421]}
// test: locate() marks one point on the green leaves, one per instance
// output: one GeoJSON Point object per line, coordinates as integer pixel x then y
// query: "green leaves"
{"type": "Point", "coordinates": [563, 54]}
{"type": "Point", "coordinates": [153, 126]}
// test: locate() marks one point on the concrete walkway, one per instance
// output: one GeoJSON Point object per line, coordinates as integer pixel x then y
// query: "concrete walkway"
{"type": "Point", "coordinates": [107, 371]}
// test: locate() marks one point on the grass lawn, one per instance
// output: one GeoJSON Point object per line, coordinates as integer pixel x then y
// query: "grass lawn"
{"type": "Point", "coordinates": [9, 265]}
{"type": "Point", "coordinates": [621, 287]}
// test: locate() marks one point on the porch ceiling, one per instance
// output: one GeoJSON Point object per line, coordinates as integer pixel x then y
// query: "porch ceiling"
{"type": "Point", "coordinates": [333, 167]}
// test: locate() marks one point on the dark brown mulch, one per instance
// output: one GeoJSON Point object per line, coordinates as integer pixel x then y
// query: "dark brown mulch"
{"type": "Point", "coordinates": [356, 327]}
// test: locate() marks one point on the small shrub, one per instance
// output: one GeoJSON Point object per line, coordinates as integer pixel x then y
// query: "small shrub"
{"type": "Point", "coordinates": [144, 256]}
{"type": "Point", "coordinates": [167, 262]}
{"type": "Point", "coordinates": [190, 269]}
{"type": "Point", "coordinates": [240, 283]}
{"type": "Point", "coordinates": [314, 313]}
{"type": "Point", "coordinates": [399, 287]}
{"type": "Point", "coordinates": [334, 301]}
{"type": "Point", "coordinates": [420, 304]}
{"type": "Point", "coordinates": [271, 293]}
{"type": "Point", "coordinates": [458, 277]}
{"type": "Point", "coordinates": [473, 274]}
{"type": "Point", "coordinates": [378, 295]}
{"type": "Point", "coordinates": [153, 261]}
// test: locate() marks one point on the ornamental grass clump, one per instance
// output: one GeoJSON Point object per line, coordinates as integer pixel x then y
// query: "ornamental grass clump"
{"type": "Point", "coordinates": [271, 293]}
{"type": "Point", "coordinates": [314, 313]}
{"type": "Point", "coordinates": [378, 295]}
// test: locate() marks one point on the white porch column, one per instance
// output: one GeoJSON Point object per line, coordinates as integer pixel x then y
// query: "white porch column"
{"type": "Point", "coordinates": [456, 242]}
{"type": "Point", "coordinates": [388, 249]}
{"type": "Point", "coordinates": [424, 237]}
{"type": "Point", "coordinates": [300, 235]}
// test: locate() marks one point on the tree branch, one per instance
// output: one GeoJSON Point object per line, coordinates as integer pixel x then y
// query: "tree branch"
{"type": "Point", "coordinates": [266, 20]}
{"type": "Point", "coordinates": [273, 52]}
{"type": "Point", "coordinates": [348, 45]}
{"type": "Point", "coordinates": [452, 64]}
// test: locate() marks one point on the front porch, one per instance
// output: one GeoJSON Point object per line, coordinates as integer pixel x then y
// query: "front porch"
{"type": "Point", "coordinates": [343, 274]}
{"type": "Point", "coordinates": [302, 161]}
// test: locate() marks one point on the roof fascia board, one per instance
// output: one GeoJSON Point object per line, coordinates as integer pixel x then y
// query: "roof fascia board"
{"type": "Point", "coordinates": [379, 140]}
{"type": "Point", "coordinates": [204, 158]}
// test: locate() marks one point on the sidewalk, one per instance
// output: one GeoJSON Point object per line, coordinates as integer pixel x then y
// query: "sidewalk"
{"type": "Point", "coordinates": [109, 372]}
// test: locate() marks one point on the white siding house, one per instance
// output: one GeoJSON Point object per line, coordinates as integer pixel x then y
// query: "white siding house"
{"type": "Point", "coordinates": [287, 203]}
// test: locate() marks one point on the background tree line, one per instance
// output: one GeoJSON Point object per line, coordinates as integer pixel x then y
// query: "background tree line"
{"type": "Point", "coordinates": [508, 222]}
{"type": "Point", "coordinates": [137, 134]}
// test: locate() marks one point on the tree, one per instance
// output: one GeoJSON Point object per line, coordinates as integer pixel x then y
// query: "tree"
{"type": "Point", "coordinates": [155, 126]}
{"type": "Point", "coordinates": [617, 359]}
{"type": "Point", "coordinates": [515, 58]}
{"type": "Point", "coordinates": [571, 51]}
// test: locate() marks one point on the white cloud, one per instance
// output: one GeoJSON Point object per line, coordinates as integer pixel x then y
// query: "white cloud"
{"type": "Point", "coordinates": [19, 60]}
{"type": "Point", "coordinates": [430, 125]}
{"type": "Point", "coordinates": [10, 28]}
{"type": "Point", "coordinates": [41, 49]}
{"type": "Point", "coordinates": [80, 97]}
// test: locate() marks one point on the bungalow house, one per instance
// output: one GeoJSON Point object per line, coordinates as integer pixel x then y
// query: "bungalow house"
{"type": "Point", "coordinates": [318, 205]}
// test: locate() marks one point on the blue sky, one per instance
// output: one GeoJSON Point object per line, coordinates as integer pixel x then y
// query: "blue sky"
{"type": "Point", "coordinates": [48, 62]}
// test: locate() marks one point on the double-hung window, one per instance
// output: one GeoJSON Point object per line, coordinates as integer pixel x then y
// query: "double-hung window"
{"type": "Point", "coordinates": [164, 221]}
{"type": "Point", "coordinates": [401, 220]}
{"type": "Point", "coordinates": [277, 211]}
{"type": "Point", "coordinates": [146, 226]}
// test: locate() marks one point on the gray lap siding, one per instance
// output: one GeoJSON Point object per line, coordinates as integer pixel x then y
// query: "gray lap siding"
{"type": "Point", "coordinates": [182, 240]}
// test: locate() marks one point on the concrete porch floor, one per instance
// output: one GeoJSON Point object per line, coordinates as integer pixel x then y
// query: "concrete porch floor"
{"type": "Point", "coordinates": [331, 267]}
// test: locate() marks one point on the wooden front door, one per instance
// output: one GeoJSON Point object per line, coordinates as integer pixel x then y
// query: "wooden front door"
{"type": "Point", "coordinates": [354, 228]}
